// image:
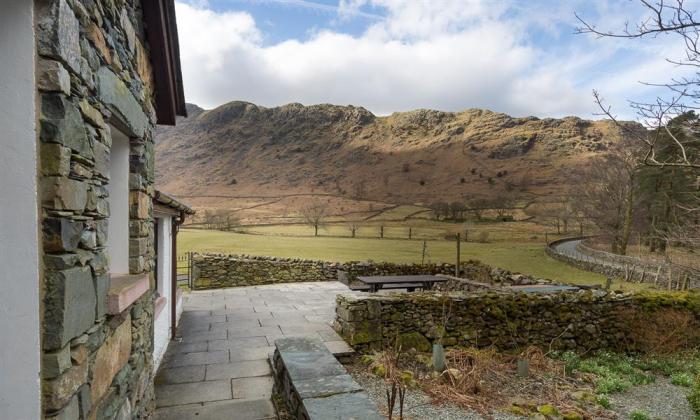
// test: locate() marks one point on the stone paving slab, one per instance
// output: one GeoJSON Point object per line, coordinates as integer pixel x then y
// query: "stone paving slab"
{"type": "Point", "coordinates": [245, 369]}
{"type": "Point", "coordinates": [252, 353]}
{"type": "Point", "coordinates": [232, 409]}
{"type": "Point", "coordinates": [204, 336]}
{"type": "Point", "coordinates": [193, 392]}
{"type": "Point", "coordinates": [182, 374]}
{"type": "Point", "coordinates": [199, 358]}
{"type": "Point", "coordinates": [252, 388]}
{"type": "Point", "coordinates": [238, 343]}
{"type": "Point", "coordinates": [176, 347]}
{"type": "Point", "coordinates": [220, 369]}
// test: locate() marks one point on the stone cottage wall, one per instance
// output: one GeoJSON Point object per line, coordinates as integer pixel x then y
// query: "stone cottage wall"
{"type": "Point", "coordinates": [582, 321]}
{"type": "Point", "coordinates": [213, 271]}
{"type": "Point", "coordinates": [93, 70]}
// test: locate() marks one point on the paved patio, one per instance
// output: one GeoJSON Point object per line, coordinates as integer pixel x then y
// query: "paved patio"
{"type": "Point", "coordinates": [220, 367]}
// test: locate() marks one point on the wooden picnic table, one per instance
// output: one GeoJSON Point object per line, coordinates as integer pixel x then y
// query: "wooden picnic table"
{"type": "Point", "coordinates": [409, 282]}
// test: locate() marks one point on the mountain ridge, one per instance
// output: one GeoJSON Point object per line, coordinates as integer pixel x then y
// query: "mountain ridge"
{"type": "Point", "coordinates": [418, 156]}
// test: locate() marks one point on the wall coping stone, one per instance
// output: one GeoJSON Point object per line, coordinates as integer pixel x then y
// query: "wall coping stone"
{"type": "Point", "coordinates": [315, 385]}
{"type": "Point", "coordinates": [125, 289]}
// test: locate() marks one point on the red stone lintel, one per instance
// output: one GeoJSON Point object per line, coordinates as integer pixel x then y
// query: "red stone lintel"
{"type": "Point", "coordinates": [160, 304]}
{"type": "Point", "coordinates": [125, 289]}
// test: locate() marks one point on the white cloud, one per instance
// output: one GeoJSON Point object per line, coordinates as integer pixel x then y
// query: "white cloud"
{"type": "Point", "coordinates": [448, 55]}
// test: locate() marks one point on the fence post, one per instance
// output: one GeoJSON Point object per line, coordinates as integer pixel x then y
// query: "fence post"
{"type": "Point", "coordinates": [458, 255]}
{"type": "Point", "coordinates": [190, 280]}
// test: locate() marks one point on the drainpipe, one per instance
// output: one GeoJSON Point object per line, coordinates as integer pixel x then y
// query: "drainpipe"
{"type": "Point", "coordinates": [173, 277]}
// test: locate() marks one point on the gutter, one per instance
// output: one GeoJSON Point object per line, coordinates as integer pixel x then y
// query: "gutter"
{"type": "Point", "coordinates": [176, 222]}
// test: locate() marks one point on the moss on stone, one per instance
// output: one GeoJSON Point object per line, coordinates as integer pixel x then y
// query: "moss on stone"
{"type": "Point", "coordinates": [414, 340]}
{"type": "Point", "coordinates": [548, 410]}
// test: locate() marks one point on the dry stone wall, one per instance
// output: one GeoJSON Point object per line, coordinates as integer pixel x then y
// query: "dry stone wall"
{"type": "Point", "coordinates": [211, 271]}
{"type": "Point", "coordinates": [93, 71]}
{"type": "Point", "coordinates": [585, 320]}
{"type": "Point", "coordinates": [626, 267]}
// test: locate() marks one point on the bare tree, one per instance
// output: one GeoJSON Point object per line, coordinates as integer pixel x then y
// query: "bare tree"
{"type": "Point", "coordinates": [675, 18]}
{"type": "Point", "coordinates": [315, 214]}
{"type": "Point", "coordinates": [609, 189]}
{"type": "Point", "coordinates": [353, 226]}
{"type": "Point", "coordinates": [457, 210]}
{"type": "Point", "coordinates": [503, 203]}
{"type": "Point", "coordinates": [440, 209]}
{"type": "Point", "coordinates": [477, 207]}
{"type": "Point", "coordinates": [547, 214]}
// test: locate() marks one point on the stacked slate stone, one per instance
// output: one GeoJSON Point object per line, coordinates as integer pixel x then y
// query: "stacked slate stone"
{"type": "Point", "coordinates": [314, 385]}
{"type": "Point", "coordinates": [213, 271]}
{"type": "Point", "coordinates": [583, 321]}
{"type": "Point", "coordinates": [93, 69]}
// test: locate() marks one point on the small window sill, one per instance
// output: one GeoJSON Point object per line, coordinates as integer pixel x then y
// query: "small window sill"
{"type": "Point", "coordinates": [124, 290]}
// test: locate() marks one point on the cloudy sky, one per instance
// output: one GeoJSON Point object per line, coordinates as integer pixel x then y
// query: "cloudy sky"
{"type": "Point", "coordinates": [518, 57]}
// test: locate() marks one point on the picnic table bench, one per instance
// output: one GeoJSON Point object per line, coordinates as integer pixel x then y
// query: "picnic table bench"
{"type": "Point", "coordinates": [408, 282]}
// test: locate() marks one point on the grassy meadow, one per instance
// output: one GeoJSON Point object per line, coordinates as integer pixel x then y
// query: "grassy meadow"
{"type": "Point", "coordinates": [524, 257]}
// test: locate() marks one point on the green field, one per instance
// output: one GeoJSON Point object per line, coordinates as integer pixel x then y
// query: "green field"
{"type": "Point", "coordinates": [528, 258]}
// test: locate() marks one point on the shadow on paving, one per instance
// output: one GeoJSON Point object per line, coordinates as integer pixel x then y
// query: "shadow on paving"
{"type": "Point", "coordinates": [221, 364]}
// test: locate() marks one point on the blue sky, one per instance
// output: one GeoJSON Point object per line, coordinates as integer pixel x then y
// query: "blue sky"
{"type": "Point", "coordinates": [517, 57]}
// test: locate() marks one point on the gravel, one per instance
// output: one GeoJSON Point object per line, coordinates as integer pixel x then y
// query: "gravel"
{"type": "Point", "coordinates": [417, 404]}
{"type": "Point", "coordinates": [661, 400]}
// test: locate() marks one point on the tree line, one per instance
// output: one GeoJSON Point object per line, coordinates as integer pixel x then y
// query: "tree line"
{"type": "Point", "coordinates": [460, 210]}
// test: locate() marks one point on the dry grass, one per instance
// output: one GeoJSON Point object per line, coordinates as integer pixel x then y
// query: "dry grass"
{"type": "Point", "coordinates": [485, 381]}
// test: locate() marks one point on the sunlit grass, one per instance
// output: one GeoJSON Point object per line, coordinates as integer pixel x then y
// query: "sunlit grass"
{"type": "Point", "coordinates": [528, 258]}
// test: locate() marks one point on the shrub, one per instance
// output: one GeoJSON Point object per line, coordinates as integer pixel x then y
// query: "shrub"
{"type": "Point", "coordinates": [603, 401]}
{"type": "Point", "coordinates": [694, 396]}
{"type": "Point", "coordinates": [406, 167]}
{"type": "Point", "coordinates": [462, 180]}
{"type": "Point", "coordinates": [483, 237]}
{"type": "Point", "coordinates": [682, 379]}
{"type": "Point", "coordinates": [639, 415]}
{"type": "Point", "coordinates": [422, 182]}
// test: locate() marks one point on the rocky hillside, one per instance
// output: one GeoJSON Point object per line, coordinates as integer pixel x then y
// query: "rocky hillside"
{"type": "Point", "coordinates": [247, 151]}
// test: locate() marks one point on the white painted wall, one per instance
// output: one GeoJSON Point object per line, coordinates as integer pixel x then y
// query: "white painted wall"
{"type": "Point", "coordinates": [161, 327]}
{"type": "Point", "coordinates": [164, 254]}
{"type": "Point", "coordinates": [19, 218]}
{"type": "Point", "coordinates": [118, 187]}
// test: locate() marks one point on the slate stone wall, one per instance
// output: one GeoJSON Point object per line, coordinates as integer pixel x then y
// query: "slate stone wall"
{"type": "Point", "coordinates": [213, 271]}
{"type": "Point", "coordinates": [93, 70]}
{"type": "Point", "coordinates": [582, 321]}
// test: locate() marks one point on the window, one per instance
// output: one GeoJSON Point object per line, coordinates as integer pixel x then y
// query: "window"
{"type": "Point", "coordinates": [118, 187]}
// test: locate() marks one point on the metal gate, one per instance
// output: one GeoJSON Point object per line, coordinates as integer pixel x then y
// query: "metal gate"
{"type": "Point", "coordinates": [184, 270]}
